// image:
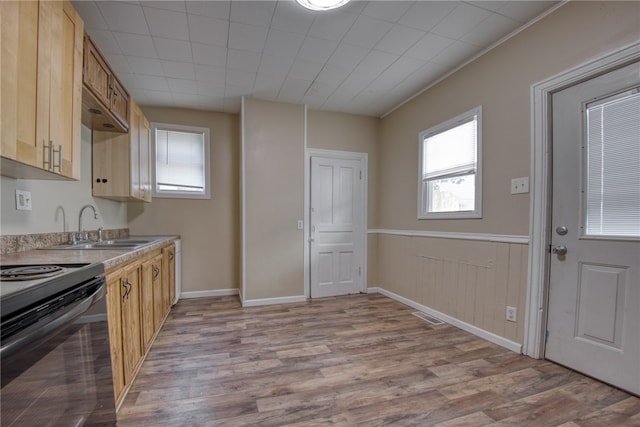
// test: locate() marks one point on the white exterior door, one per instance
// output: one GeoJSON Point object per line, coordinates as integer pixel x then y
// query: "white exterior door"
{"type": "Point", "coordinates": [337, 227]}
{"type": "Point", "coordinates": [594, 282]}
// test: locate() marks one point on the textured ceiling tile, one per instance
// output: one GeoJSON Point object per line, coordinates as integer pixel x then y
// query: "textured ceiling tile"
{"type": "Point", "coordinates": [399, 39]}
{"type": "Point", "coordinates": [290, 17]}
{"type": "Point", "coordinates": [209, 54]}
{"type": "Point", "coordinates": [211, 9]}
{"type": "Point", "coordinates": [458, 22]}
{"type": "Point", "coordinates": [243, 60]}
{"type": "Point", "coordinates": [105, 40]}
{"type": "Point", "coordinates": [124, 17]}
{"type": "Point", "coordinates": [426, 15]}
{"type": "Point", "coordinates": [257, 13]}
{"type": "Point", "coordinates": [428, 47]}
{"type": "Point", "coordinates": [315, 49]}
{"type": "Point", "coordinates": [347, 56]}
{"type": "Point", "coordinates": [167, 24]}
{"type": "Point", "coordinates": [210, 74]}
{"type": "Point", "coordinates": [366, 32]}
{"type": "Point", "coordinates": [136, 45]}
{"type": "Point", "coordinates": [91, 15]}
{"type": "Point", "coordinates": [247, 37]}
{"type": "Point", "coordinates": [174, 50]}
{"type": "Point", "coordinates": [365, 58]}
{"type": "Point", "coordinates": [208, 30]}
{"type": "Point", "coordinates": [148, 66]}
{"type": "Point", "coordinates": [332, 26]}
{"type": "Point", "coordinates": [282, 43]}
{"type": "Point", "coordinates": [491, 29]}
{"type": "Point", "coordinates": [176, 6]}
{"type": "Point", "coordinates": [182, 70]}
{"type": "Point", "coordinates": [386, 10]}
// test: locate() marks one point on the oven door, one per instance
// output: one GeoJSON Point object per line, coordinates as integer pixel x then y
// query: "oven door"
{"type": "Point", "coordinates": [57, 371]}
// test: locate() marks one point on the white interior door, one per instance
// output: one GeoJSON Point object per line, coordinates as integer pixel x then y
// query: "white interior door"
{"type": "Point", "coordinates": [336, 228]}
{"type": "Point", "coordinates": [594, 283]}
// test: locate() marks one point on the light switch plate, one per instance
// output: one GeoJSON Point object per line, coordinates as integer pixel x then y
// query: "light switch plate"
{"type": "Point", "coordinates": [300, 224]}
{"type": "Point", "coordinates": [520, 185]}
{"type": "Point", "coordinates": [23, 200]}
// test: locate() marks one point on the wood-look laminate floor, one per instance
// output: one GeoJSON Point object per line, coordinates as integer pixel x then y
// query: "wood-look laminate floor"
{"type": "Point", "coordinates": [356, 360]}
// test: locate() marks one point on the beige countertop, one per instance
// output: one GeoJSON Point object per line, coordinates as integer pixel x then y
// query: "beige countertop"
{"type": "Point", "coordinates": [111, 258]}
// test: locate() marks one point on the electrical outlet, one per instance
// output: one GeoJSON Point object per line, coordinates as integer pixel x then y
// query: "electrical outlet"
{"type": "Point", "coordinates": [520, 185]}
{"type": "Point", "coordinates": [512, 314]}
{"type": "Point", "coordinates": [300, 224]}
{"type": "Point", "coordinates": [23, 200]}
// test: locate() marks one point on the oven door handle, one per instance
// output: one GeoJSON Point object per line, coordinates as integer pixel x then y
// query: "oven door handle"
{"type": "Point", "coordinates": [47, 325]}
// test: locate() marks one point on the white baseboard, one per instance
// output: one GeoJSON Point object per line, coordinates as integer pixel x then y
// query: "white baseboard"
{"type": "Point", "coordinates": [489, 336]}
{"type": "Point", "coordinates": [373, 290]}
{"type": "Point", "coordinates": [212, 293]}
{"type": "Point", "coordinates": [271, 301]}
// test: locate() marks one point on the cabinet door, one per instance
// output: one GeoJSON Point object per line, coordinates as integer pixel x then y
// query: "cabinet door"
{"type": "Point", "coordinates": [115, 332]}
{"type": "Point", "coordinates": [19, 70]}
{"type": "Point", "coordinates": [131, 336]}
{"type": "Point", "coordinates": [66, 107]}
{"type": "Point", "coordinates": [96, 72]}
{"type": "Point", "coordinates": [158, 309]}
{"type": "Point", "coordinates": [111, 169]}
{"type": "Point", "coordinates": [134, 150]}
{"type": "Point", "coordinates": [59, 94]}
{"type": "Point", "coordinates": [147, 303]}
{"type": "Point", "coordinates": [119, 102]}
{"type": "Point", "coordinates": [169, 279]}
{"type": "Point", "coordinates": [145, 158]}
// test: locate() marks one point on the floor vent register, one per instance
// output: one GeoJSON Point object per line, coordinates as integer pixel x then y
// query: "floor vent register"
{"type": "Point", "coordinates": [428, 318]}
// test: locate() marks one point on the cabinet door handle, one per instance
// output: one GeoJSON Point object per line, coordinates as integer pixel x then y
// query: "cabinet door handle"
{"type": "Point", "coordinates": [156, 272]}
{"type": "Point", "coordinates": [49, 162]}
{"type": "Point", "coordinates": [127, 286]}
{"type": "Point", "coordinates": [60, 158]}
{"type": "Point", "coordinates": [171, 256]}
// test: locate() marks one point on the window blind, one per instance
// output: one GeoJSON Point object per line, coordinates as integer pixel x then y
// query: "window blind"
{"type": "Point", "coordinates": [180, 160]}
{"type": "Point", "coordinates": [613, 166]}
{"type": "Point", "coordinates": [452, 152]}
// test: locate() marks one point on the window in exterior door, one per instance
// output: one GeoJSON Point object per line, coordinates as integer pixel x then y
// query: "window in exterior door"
{"type": "Point", "coordinates": [612, 167]}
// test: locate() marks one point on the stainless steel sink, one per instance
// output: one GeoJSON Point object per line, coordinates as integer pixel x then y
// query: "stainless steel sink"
{"type": "Point", "coordinates": [105, 244]}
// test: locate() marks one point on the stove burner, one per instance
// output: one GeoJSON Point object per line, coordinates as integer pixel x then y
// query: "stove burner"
{"type": "Point", "coordinates": [30, 272]}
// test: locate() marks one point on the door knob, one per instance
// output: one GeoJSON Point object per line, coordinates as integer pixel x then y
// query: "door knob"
{"type": "Point", "coordinates": [562, 230]}
{"type": "Point", "coordinates": [559, 250]}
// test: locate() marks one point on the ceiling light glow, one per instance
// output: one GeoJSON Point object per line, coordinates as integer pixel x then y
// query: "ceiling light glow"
{"type": "Point", "coordinates": [322, 4]}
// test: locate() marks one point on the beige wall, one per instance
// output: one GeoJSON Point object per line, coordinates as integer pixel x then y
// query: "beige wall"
{"type": "Point", "coordinates": [429, 270]}
{"type": "Point", "coordinates": [209, 228]}
{"type": "Point", "coordinates": [472, 281]}
{"type": "Point", "coordinates": [56, 204]}
{"type": "Point", "coordinates": [273, 157]}
{"type": "Point", "coordinates": [348, 132]}
{"type": "Point", "coordinates": [500, 81]}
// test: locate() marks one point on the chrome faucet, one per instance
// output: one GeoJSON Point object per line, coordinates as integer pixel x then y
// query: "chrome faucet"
{"type": "Point", "coordinates": [85, 236]}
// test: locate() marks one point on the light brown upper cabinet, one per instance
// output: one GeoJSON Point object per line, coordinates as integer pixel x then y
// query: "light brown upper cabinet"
{"type": "Point", "coordinates": [121, 162]}
{"type": "Point", "coordinates": [40, 89]}
{"type": "Point", "coordinates": [105, 102]}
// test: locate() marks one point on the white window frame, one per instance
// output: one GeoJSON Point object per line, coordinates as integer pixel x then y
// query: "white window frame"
{"type": "Point", "coordinates": [207, 162]}
{"type": "Point", "coordinates": [439, 128]}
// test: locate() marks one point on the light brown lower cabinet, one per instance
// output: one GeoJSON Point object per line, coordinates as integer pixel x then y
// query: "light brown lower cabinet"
{"type": "Point", "coordinates": [136, 308]}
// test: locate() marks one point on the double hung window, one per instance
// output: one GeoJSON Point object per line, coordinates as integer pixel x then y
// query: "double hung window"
{"type": "Point", "coordinates": [181, 166]}
{"type": "Point", "coordinates": [450, 170]}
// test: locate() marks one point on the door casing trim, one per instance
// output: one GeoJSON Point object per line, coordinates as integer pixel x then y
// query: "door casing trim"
{"type": "Point", "coordinates": [540, 210]}
{"type": "Point", "coordinates": [363, 158]}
